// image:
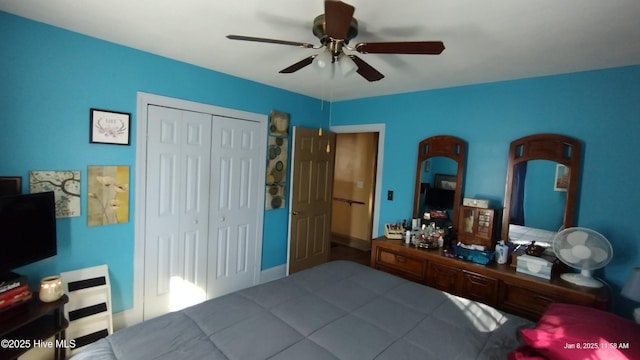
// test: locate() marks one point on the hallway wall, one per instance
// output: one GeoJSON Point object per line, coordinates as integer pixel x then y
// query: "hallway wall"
{"type": "Point", "coordinates": [354, 179]}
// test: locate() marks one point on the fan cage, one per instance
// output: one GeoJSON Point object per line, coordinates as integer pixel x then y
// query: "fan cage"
{"type": "Point", "coordinates": [585, 265]}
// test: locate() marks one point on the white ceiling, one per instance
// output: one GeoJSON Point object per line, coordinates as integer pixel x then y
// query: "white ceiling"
{"type": "Point", "coordinates": [485, 41]}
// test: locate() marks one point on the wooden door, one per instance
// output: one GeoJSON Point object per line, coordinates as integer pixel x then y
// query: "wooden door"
{"type": "Point", "coordinates": [311, 194]}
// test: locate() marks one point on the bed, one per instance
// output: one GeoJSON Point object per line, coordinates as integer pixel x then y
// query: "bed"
{"type": "Point", "coordinates": [523, 235]}
{"type": "Point", "coordinates": [338, 310]}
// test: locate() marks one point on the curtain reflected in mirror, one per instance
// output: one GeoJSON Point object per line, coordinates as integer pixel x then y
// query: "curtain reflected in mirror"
{"type": "Point", "coordinates": [516, 213]}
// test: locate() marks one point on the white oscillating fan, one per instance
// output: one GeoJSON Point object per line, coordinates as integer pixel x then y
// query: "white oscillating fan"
{"type": "Point", "coordinates": [585, 250]}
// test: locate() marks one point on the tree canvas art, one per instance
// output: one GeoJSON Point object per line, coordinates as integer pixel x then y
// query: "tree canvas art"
{"type": "Point", "coordinates": [65, 186]}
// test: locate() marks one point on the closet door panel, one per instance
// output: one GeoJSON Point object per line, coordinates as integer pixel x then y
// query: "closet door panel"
{"type": "Point", "coordinates": [177, 209]}
{"type": "Point", "coordinates": [235, 203]}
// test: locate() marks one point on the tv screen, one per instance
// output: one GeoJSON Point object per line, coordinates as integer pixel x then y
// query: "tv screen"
{"type": "Point", "coordinates": [439, 199]}
{"type": "Point", "coordinates": [27, 229]}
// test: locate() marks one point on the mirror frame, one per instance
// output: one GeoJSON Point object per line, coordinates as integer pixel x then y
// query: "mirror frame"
{"type": "Point", "coordinates": [446, 146]}
{"type": "Point", "coordinates": [554, 147]}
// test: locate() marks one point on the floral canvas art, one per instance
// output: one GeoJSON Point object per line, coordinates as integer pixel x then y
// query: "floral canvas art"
{"type": "Point", "coordinates": [108, 198]}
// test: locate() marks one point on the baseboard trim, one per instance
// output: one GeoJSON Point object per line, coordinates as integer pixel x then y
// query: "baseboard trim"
{"type": "Point", "coordinates": [274, 273]}
{"type": "Point", "coordinates": [125, 319]}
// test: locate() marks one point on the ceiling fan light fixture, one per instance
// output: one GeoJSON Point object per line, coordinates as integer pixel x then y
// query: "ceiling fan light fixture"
{"type": "Point", "coordinates": [324, 59]}
{"type": "Point", "coordinates": [335, 28]}
{"type": "Point", "coordinates": [347, 65]}
{"type": "Point", "coordinates": [330, 72]}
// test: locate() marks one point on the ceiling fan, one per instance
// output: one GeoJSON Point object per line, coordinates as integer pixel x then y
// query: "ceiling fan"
{"type": "Point", "coordinates": [335, 28]}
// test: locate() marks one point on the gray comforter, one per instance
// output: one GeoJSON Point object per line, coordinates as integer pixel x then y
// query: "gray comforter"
{"type": "Point", "coordinates": [338, 310]}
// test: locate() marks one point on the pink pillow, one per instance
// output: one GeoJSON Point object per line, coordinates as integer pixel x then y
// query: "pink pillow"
{"type": "Point", "coordinates": [577, 332]}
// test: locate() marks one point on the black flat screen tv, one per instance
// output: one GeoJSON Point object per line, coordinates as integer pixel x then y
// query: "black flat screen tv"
{"type": "Point", "coordinates": [439, 199]}
{"type": "Point", "coordinates": [27, 230]}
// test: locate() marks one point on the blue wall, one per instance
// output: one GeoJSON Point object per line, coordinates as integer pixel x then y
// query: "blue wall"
{"type": "Point", "coordinates": [543, 206]}
{"type": "Point", "coordinates": [51, 77]}
{"type": "Point", "coordinates": [600, 108]}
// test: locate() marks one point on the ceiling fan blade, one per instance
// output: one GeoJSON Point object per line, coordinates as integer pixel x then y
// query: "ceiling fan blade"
{"type": "Point", "coordinates": [408, 47]}
{"type": "Point", "coordinates": [299, 65]}
{"type": "Point", "coordinates": [337, 17]}
{"type": "Point", "coordinates": [365, 70]}
{"type": "Point", "coordinates": [270, 41]}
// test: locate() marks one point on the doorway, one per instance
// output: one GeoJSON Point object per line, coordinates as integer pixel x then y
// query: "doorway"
{"type": "Point", "coordinates": [357, 188]}
{"type": "Point", "coordinates": [354, 183]}
{"type": "Point", "coordinates": [347, 252]}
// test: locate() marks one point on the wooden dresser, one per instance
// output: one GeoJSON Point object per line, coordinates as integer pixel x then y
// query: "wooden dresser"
{"type": "Point", "coordinates": [496, 285]}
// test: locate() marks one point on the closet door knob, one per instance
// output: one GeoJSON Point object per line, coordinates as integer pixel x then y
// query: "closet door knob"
{"type": "Point", "coordinates": [295, 213]}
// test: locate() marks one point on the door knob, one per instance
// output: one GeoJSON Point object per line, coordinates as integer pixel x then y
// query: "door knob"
{"type": "Point", "coordinates": [295, 213]}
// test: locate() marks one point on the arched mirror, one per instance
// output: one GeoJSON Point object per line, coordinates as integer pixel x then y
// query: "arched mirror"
{"type": "Point", "coordinates": [439, 176]}
{"type": "Point", "coordinates": [543, 172]}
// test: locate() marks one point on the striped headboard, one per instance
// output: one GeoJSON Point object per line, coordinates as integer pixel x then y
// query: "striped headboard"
{"type": "Point", "coordinates": [89, 306]}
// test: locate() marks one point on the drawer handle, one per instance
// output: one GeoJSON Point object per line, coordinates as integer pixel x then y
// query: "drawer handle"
{"type": "Point", "coordinates": [543, 300]}
{"type": "Point", "coordinates": [401, 258]}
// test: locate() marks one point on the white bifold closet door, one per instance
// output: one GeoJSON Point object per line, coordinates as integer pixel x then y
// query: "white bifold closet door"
{"type": "Point", "coordinates": [234, 211]}
{"type": "Point", "coordinates": [201, 213]}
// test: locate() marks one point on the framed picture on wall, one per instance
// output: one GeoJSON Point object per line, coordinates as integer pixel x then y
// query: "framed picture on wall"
{"type": "Point", "coordinates": [446, 182]}
{"type": "Point", "coordinates": [279, 123]}
{"type": "Point", "coordinates": [10, 185]}
{"type": "Point", "coordinates": [65, 185]}
{"type": "Point", "coordinates": [561, 182]}
{"type": "Point", "coordinates": [110, 127]}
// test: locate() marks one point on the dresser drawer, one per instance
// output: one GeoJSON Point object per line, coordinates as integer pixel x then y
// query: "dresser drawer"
{"type": "Point", "coordinates": [445, 278]}
{"type": "Point", "coordinates": [404, 264]}
{"type": "Point", "coordinates": [480, 288]}
{"type": "Point", "coordinates": [498, 285]}
{"type": "Point", "coordinates": [533, 302]}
